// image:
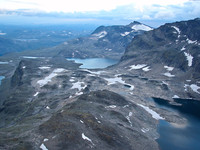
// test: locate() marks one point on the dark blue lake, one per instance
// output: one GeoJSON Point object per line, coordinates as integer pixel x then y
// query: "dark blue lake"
{"type": "Point", "coordinates": [1, 78]}
{"type": "Point", "coordinates": [184, 136]}
{"type": "Point", "coordinates": [94, 63]}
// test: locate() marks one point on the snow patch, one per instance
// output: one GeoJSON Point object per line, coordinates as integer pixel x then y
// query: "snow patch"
{"type": "Point", "coordinates": [195, 88]}
{"type": "Point", "coordinates": [49, 77]}
{"type": "Point", "coordinates": [125, 33]}
{"type": "Point", "coordinates": [86, 138]}
{"type": "Point", "coordinates": [111, 106]}
{"type": "Point", "coordinates": [128, 118]}
{"type": "Point", "coordinates": [175, 96]}
{"type": "Point", "coordinates": [154, 114]}
{"type": "Point", "coordinates": [163, 82]}
{"type": "Point", "coordinates": [44, 68]}
{"type": "Point", "coordinates": [143, 27]}
{"type": "Point", "coordinates": [168, 74]}
{"type": "Point", "coordinates": [119, 80]}
{"type": "Point", "coordinates": [36, 94]}
{"type": "Point", "coordinates": [146, 69]}
{"type": "Point", "coordinates": [177, 29]}
{"type": "Point", "coordinates": [138, 66]}
{"type": "Point", "coordinates": [97, 120]}
{"type": "Point", "coordinates": [31, 57]}
{"type": "Point", "coordinates": [94, 72]}
{"type": "Point", "coordinates": [43, 147]}
{"type": "Point", "coordinates": [169, 68]}
{"type": "Point", "coordinates": [185, 86]}
{"type": "Point", "coordinates": [183, 48]}
{"type": "Point", "coordinates": [191, 42]}
{"type": "Point", "coordinates": [189, 58]}
{"type": "Point", "coordinates": [100, 34]}
{"type": "Point", "coordinates": [77, 85]}
{"type": "Point", "coordinates": [144, 130]}
{"type": "Point", "coordinates": [45, 140]}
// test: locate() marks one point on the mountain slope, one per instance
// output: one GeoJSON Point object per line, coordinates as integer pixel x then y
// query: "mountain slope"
{"type": "Point", "coordinates": [172, 44]}
{"type": "Point", "coordinates": [171, 51]}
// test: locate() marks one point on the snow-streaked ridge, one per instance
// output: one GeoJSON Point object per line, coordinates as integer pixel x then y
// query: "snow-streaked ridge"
{"type": "Point", "coordinates": [154, 114]}
{"type": "Point", "coordinates": [86, 138]}
{"type": "Point", "coordinates": [189, 58]}
{"type": "Point", "coordinates": [143, 27]}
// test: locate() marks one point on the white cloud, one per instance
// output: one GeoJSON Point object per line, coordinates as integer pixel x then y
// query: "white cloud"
{"type": "Point", "coordinates": [82, 5]}
{"type": "Point", "coordinates": [109, 11]}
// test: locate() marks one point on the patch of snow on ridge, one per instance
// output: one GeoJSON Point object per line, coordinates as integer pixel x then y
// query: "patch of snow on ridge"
{"type": "Point", "coordinates": [183, 48]}
{"type": "Point", "coordinates": [167, 74]}
{"type": "Point", "coordinates": [111, 106]}
{"type": "Point", "coordinates": [191, 42]}
{"type": "Point", "coordinates": [144, 130]}
{"type": "Point", "coordinates": [44, 68]}
{"type": "Point", "coordinates": [189, 58]}
{"type": "Point", "coordinates": [100, 34]}
{"type": "Point", "coordinates": [128, 118]}
{"type": "Point", "coordinates": [36, 94]}
{"type": "Point", "coordinates": [138, 66]}
{"type": "Point", "coordinates": [169, 68]}
{"type": "Point", "coordinates": [146, 69]}
{"type": "Point", "coordinates": [143, 27]}
{"type": "Point", "coordinates": [93, 72]}
{"type": "Point", "coordinates": [154, 114]}
{"type": "Point", "coordinates": [78, 85]}
{"type": "Point", "coordinates": [175, 96]}
{"type": "Point", "coordinates": [45, 140]}
{"type": "Point", "coordinates": [119, 80]}
{"type": "Point", "coordinates": [86, 138]}
{"type": "Point", "coordinates": [43, 147]}
{"type": "Point", "coordinates": [195, 88]}
{"type": "Point", "coordinates": [31, 57]}
{"type": "Point", "coordinates": [49, 77]}
{"type": "Point", "coordinates": [177, 29]}
{"type": "Point", "coordinates": [125, 33]}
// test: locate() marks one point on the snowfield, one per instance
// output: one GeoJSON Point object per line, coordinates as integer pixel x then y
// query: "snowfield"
{"type": "Point", "coordinates": [141, 27]}
{"type": "Point", "coordinates": [49, 77]}
{"type": "Point", "coordinates": [138, 66]}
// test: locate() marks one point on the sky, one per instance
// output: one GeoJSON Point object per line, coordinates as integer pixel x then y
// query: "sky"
{"type": "Point", "coordinates": [154, 12]}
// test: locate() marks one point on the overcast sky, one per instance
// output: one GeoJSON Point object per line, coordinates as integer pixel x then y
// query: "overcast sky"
{"type": "Point", "coordinates": [115, 11]}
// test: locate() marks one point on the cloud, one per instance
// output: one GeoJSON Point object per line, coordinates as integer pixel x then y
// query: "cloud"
{"type": "Point", "coordinates": [106, 10]}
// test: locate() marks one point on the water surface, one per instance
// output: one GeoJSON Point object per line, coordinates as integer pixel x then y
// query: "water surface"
{"type": "Point", "coordinates": [94, 63]}
{"type": "Point", "coordinates": [184, 136]}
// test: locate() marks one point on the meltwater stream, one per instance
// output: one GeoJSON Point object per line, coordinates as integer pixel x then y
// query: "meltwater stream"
{"type": "Point", "coordinates": [184, 136]}
{"type": "Point", "coordinates": [94, 63]}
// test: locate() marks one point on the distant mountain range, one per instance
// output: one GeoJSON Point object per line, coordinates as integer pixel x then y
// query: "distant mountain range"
{"type": "Point", "coordinates": [105, 41]}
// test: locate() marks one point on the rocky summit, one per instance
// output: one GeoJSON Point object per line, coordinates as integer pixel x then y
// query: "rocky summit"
{"type": "Point", "coordinates": [51, 103]}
